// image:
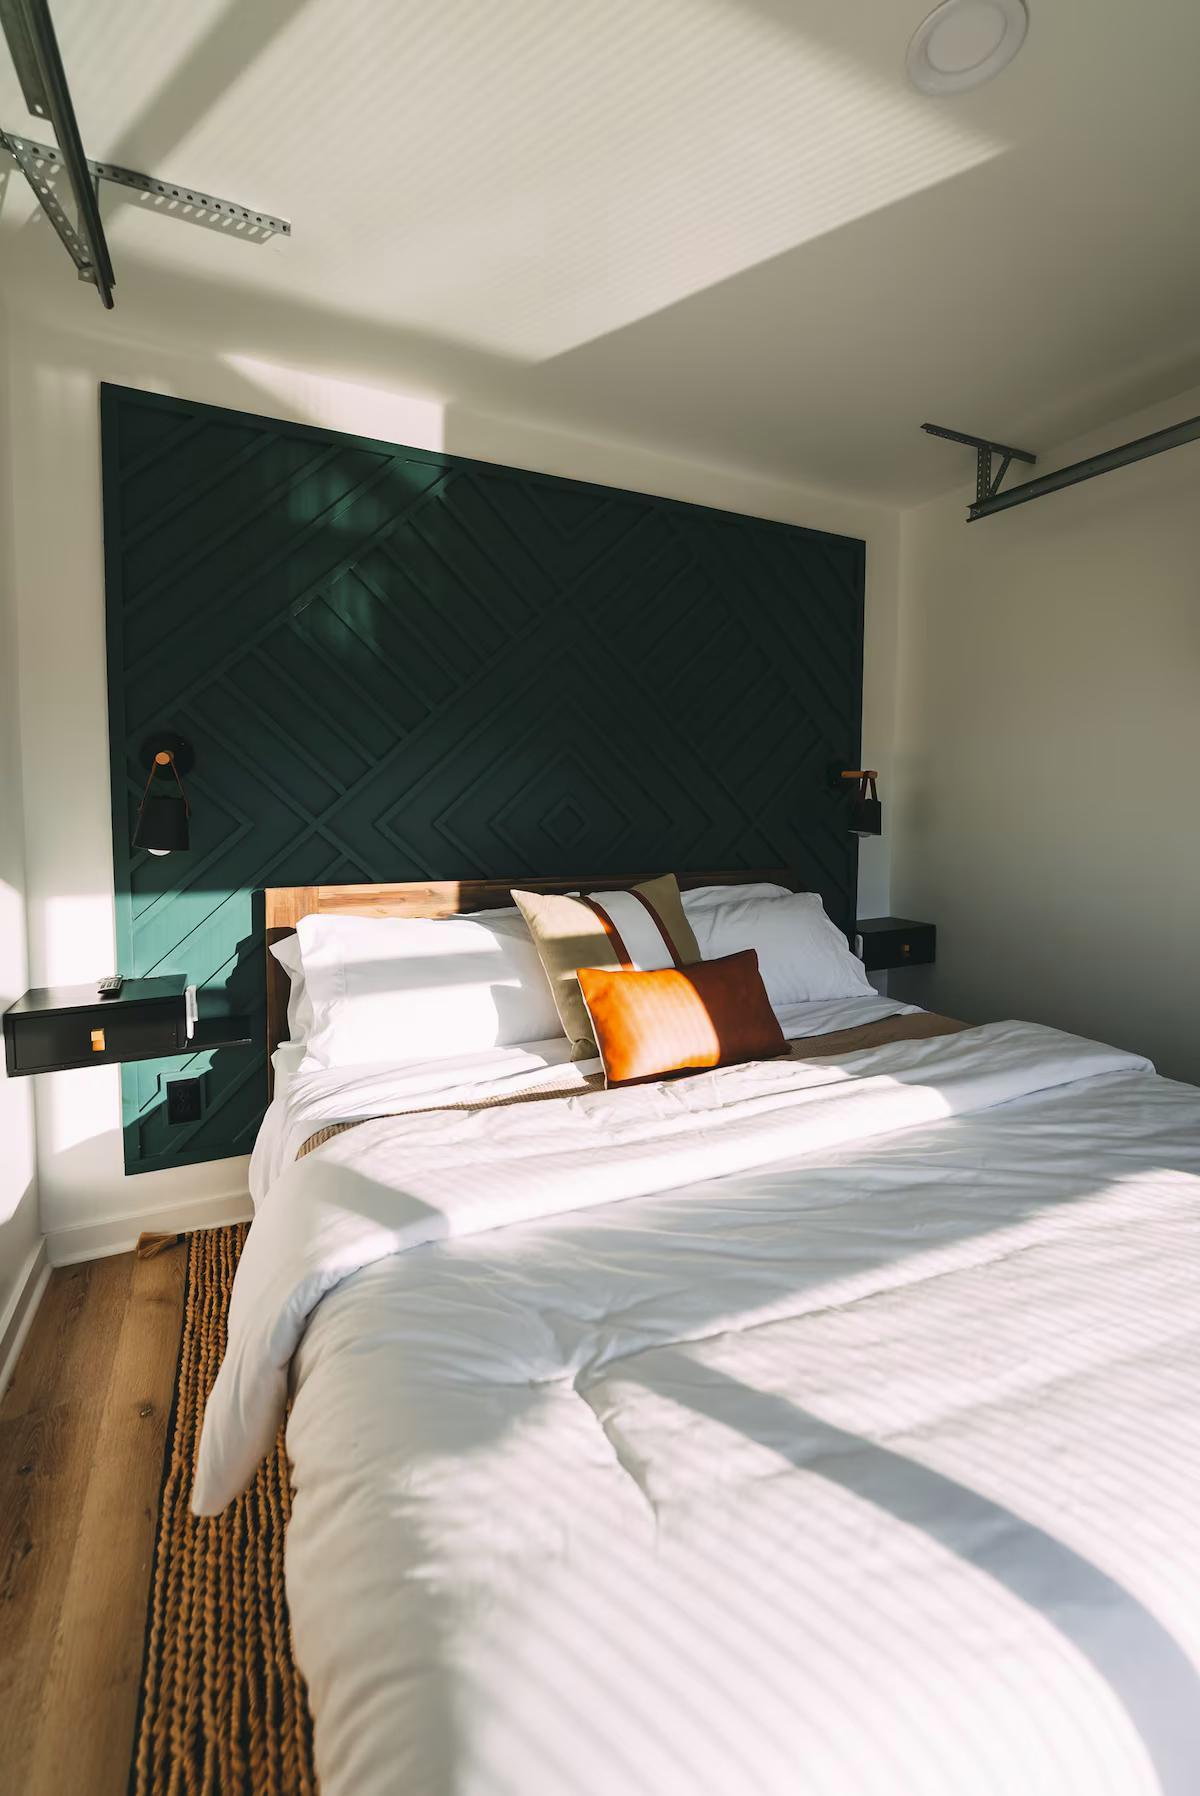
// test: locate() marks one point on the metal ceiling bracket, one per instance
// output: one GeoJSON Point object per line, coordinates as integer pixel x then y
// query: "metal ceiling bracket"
{"type": "Point", "coordinates": [1173, 437]}
{"type": "Point", "coordinates": [28, 29]}
{"type": "Point", "coordinates": [989, 499]}
{"type": "Point", "coordinates": [15, 25]}
{"type": "Point", "coordinates": [30, 34]}
{"type": "Point", "coordinates": [29, 160]}
{"type": "Point", "coordinates": [987, 484]}
{"type": "Point", "coordinates": [242, 221]}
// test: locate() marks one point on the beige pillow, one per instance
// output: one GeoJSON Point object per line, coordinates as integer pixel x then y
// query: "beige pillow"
{"type": "Point", "coordinates": [636, 930]}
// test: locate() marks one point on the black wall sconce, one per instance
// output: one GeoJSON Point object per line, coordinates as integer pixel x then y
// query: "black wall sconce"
{"type": "Point", "coordinates": [162, 819]}
{"type": "Point", "coordinates": [866, 812]}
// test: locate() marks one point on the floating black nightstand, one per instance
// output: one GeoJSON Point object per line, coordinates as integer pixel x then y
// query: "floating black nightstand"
{"type": "Point", "coordinates": [889, 942]}
{"type": "Point", "coordinates": [55, 1028]}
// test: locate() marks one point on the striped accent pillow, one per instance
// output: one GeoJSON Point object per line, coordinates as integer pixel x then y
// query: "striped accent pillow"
{"type": "Point", "coordinates": [637, 930]}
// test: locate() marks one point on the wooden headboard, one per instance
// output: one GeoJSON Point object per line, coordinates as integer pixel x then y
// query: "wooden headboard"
{"type": "Point", "coordinates": [285, 905]}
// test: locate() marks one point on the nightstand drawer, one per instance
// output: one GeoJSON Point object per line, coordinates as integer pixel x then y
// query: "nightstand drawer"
{"type": "Point", "coordinates": [49, 1042]}
{"type": "Point", "coordinates": [43, 1036]}
{"type": "Point", "coordinates": [890, 942]}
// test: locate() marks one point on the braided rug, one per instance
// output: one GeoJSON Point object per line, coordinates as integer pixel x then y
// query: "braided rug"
{"type": "Point", "coordinates": [223, 1708]}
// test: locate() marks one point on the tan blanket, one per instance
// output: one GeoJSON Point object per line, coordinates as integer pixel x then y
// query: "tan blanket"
{"type": "Point", "coordinates": [875, 1035]}
{"type": "Point", "coordinates": [573, 1083]}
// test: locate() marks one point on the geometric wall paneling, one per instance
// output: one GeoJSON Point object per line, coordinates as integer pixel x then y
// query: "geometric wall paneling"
{"type": "Point", "coordinates": [398, 664]}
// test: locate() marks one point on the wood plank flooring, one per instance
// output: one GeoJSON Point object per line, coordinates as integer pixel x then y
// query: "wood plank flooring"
{"type": "Point", "coordinates": [82, 1434]}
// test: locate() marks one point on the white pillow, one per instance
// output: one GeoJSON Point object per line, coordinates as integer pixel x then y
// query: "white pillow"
{"type": "Point", "coordinates": [405, 988]}
{"type": "Point", "coordinates": [801, 955]}
{"type": "Point", "coordinates": [299, 1005]}
{"type": "Point", "coordinates": [706, 897]}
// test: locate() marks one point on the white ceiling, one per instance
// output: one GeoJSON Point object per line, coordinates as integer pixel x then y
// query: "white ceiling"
{"type": "Point", "coordinates": [724, 228]}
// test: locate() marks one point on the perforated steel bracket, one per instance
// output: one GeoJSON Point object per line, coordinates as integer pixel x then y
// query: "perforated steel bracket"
{"type": "Point", "coordinates": [14, 22]}
{"type": "Point", "coordinates": [989, 499]}
{"type": "Point", "coordinates": [30, 160]}
{"type": "Point", "coordinates": [170, 196]}
{"type": "Point", "coordinates": [29, 32]}
{"type": "Point", "coordinates": [987, 485]}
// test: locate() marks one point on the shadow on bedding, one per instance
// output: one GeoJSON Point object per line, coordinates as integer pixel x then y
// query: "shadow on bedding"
{"type": "Point", "coordinates": [713, 1254]}
{"type": "Point", "coordinates": [1150, 1674]}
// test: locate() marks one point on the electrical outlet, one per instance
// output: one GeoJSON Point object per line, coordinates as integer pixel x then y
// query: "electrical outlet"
{"type": "Point", "coordinates": [183, 1100]}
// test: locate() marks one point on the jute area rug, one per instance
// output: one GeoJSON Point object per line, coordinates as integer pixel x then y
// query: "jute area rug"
{"type": "Point", "coordinates": [223, 1707]}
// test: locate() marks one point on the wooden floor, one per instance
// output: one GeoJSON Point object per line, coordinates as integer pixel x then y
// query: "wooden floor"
{"type": "Point", "coordinates": [82, 1432]}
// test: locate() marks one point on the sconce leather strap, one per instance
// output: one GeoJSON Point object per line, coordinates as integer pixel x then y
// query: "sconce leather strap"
{"type": "Point", "coordinates": [164, 758]}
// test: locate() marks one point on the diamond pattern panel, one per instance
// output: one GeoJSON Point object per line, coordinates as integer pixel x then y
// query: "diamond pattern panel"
{"type": "Point", "coordinates": [396, 664]}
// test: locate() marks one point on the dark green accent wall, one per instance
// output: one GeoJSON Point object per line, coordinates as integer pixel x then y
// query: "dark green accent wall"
{"type": "Point", "coordinates": [399, 664]}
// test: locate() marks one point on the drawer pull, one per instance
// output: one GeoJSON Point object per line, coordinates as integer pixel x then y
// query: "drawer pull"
{"type": "Point", "coordinates": [97, 1041]}
{"type": "Point", "coordinates": [904, 947]}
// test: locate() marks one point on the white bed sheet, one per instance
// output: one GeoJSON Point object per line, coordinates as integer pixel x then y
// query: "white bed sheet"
{"type": "Point", "coordinates": [286, 1062]}
{"type": "Point", "coordinates": [870, 1470]}
{"type": "Point", "coordinates": [307, 1098]}
{"type": "Point", "coordinates": [313, 1096]}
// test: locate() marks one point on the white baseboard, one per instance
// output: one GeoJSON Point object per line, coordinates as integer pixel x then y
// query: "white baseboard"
{"type": "Point", "coordinates": [119, 1234]}
{"type": "Point", "coordinates": [22, 1308]}
{"type": "Point", "coordinates": [95, 1241]}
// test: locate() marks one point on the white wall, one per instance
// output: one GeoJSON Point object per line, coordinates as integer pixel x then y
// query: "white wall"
{"type": "Point", "coordinates": [20, 1238]}
{"type": "Point", "coordinates": [87, 1203]}
{"type": "Point", "coordinates": [1048, 750]}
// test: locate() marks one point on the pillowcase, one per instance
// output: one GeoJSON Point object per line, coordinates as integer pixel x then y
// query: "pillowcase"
{"type": "Point", "coordinates": [299, 1005]}
{"type": "Point", "coordinates": [706, 897]}
{"type": "Point", "coordinates": [408, 988]}
{"type": "Point", "coordinates": [642, 928]}
{"type": "Point", "coordinates": [678, 1019]}
{"type": "Point", "coordinates": [801, 954]}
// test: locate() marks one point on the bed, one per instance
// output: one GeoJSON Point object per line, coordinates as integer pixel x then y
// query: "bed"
{"type": "Point", "coordinates": [824, 1424]}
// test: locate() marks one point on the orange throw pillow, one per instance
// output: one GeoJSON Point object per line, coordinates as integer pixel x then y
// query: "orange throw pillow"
{"type": "Point", "coordinates": [678, 1019]}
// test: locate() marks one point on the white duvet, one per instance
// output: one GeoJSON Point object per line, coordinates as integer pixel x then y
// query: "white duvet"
{"type": "Point", "coordinates": [308, 1095]}
{"type": "Point", "coordinates": [791, 1428]}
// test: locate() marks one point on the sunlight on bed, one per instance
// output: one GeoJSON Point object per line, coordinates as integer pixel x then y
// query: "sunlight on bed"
{"type": "Point", "coordinates": [712, 1591]}
{"type": "Point", "coordinates": [687, 1424]}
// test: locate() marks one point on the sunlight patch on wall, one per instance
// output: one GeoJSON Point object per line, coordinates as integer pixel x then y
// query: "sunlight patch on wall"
{"type": "Point", "coordinates": [12, 943]}
{"type": "Point", "coordinates": [78, 1108]}
{"type": "Point", "coordinates": [76, 938]}
{"type": "Point", "coordinates": [336, 404]}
